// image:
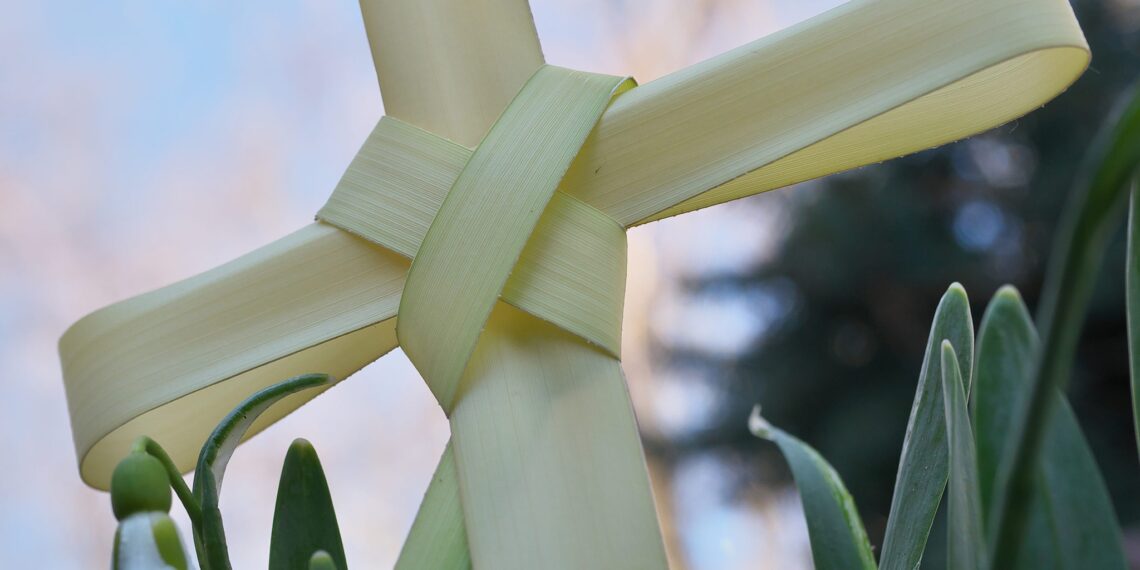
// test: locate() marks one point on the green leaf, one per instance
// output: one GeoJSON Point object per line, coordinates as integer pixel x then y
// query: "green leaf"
{"type": "Point", "coordinates": [923, 465]}
{"type": "Point", "coordinates": [1132, 291]}
{"type": "Point", "coordinates": [838, 540]}
{"type": "Point", "coordinates": [1091, 218]}
{"type": "Point", "coordinates": [1007, 349]}
{"type": "Point", "coordinates": [304, 521]}
{"type": "Point", "coordinates": [210, 536]}
{"type": "Point", "coordinates": [1084, 525]}
{"type": "Point", "coordinates": [1071, 520]}
{"type": "Point", "coordinates": [966, 542]}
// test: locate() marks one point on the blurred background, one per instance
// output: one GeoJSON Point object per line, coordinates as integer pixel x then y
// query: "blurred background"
{"type": "Point", "coordinates": [143, 142]}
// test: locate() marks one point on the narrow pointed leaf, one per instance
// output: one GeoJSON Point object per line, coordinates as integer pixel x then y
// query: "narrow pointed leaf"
{"type": "Point", "coordinates": [210, 536]}
{"type": "Point", "coordinates": [1092, 216]}
{"type": "Point", "coordinates": [966, 543]}
{"type": "Point", "coordinates": [838, 540]}
{"type": "Point", "coordinates": [1084, 525]}
{"type": "Point", "coordinates": [923, 463]}
{"type": "Point", "coordinates": [1071, 523]}
{"type": "Point", "coordinates": [1007, 347]}
{"type": "Point", "coordinates": [304, 521]}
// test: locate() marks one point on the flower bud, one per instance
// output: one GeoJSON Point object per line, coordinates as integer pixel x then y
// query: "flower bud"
{"type": "Point", "coordinates": [139, 484]}
{"type": "Point", "coordinates": [148, 541]}
{"type": "Point", "coordinates": [321, 561]}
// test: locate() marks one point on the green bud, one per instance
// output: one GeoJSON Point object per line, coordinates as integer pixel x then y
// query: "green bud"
{"type": "Point", "coordinates": [139, 484]}
{"type": "Point", "coordinates": [321, 561]}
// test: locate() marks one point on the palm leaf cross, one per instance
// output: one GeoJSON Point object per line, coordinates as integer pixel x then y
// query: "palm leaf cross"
{"type": "Point", "coordinates": [495, 177]}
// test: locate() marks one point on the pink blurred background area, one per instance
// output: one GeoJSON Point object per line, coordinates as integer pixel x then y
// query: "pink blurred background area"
{"type": "Point", "coordinates": [144, 142]}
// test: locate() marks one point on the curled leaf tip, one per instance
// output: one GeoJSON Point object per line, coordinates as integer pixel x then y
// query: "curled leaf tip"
{"type": "Point", "coordinates": [758, 425]}
{"type": "Point", "coordinates": [327, 379]}
{"type": "Point", "coordinates": [140, 444]}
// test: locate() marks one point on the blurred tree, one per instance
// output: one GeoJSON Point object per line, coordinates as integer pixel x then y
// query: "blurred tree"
{"type": "Point", "coordinates": [862, 260]}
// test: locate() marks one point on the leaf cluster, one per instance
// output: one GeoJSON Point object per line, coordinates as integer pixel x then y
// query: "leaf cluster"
{"type": "Point", "coordinates": [990, 426]}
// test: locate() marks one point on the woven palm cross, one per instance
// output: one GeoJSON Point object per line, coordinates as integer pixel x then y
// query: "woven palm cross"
{"type": "Point", "coordinates": [488, 211]}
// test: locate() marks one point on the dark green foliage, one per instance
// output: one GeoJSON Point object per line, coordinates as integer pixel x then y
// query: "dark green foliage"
{"type": "Point", "coordinates": [304, 521]}
{"type": "Point", "coordinates": [303, 525]}
{"type": "Point", "coordinates": [1007, 347]}
{"type": "Point", "coordinates": [1097, 204]}
{"type": "Point", "coordinates": [1072, 524]}
{"type": "Point", "coordinates": [861, 259]}
{"type": "Point", "coordinates": [1071, 521]}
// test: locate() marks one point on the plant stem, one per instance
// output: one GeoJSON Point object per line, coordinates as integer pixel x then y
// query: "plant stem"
{"type": "Point", "coordinates": [152, 448]}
